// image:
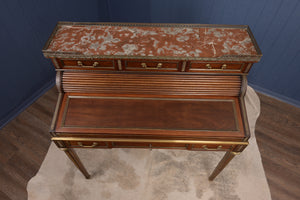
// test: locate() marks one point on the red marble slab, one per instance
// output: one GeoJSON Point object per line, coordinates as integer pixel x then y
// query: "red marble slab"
{"type": "Point", "coordinates": [190, 42]}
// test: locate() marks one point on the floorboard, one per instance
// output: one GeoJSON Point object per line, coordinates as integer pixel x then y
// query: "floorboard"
{"type": "Point", "coordinates": [24, 143]}
{"type": "Point", "coordinates": [25, 140]}
{"type": "Point", "coordinates": [278, 136]}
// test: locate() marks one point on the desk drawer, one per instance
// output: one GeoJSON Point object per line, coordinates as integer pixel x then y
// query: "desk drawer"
{"type": "Point", "coordinates": [146, 145]}
{"type": "Point", "coordinates": [110, 143]}
{"type": "Point", "coordinates": [216, 67]}
{"type": "Point", "coordinates": [155, 65]}
{"type": "Point", "coordinates": [187, 146]}
{"type": "Point", "coordinates": [106, 64]}
{"type": "Point", "coordinates": [149, 145]}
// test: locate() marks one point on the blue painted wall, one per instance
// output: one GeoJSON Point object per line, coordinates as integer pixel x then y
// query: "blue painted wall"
{"type": "Point", "coordinates": [26, 25]}
{"type": "Point", "coordinates": [274, 23]}
{"type": "Point", "coordinates": [24, 28]}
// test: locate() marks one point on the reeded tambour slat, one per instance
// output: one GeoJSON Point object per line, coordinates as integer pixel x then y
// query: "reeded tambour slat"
{"type": "Point", "coordinates": [151, 84]}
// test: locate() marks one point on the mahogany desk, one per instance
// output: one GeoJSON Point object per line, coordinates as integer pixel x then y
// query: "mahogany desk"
{"type": "Point", "coordinates": [175, 86]}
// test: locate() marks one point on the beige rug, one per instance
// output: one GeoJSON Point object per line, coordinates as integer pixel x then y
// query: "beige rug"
{"type": "Point", "coordinates": [138, 174]}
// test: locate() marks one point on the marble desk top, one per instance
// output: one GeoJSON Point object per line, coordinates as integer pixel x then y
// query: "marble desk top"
{"type": "Point", "coordinates": [152, 40]}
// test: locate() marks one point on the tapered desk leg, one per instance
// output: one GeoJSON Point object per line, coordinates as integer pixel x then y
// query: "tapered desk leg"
{"type": "Point", "coordinates": [222, 164]}
{"type": "Point", "coordinates": [75, 159]}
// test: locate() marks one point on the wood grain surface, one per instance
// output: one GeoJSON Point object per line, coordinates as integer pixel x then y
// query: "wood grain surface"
{"type": "Point", "coordinates": [151, 116]}
{"type": "Point", "coordinates": [25, 140]}
{"type": "Point", "coordinates": [278, 137]}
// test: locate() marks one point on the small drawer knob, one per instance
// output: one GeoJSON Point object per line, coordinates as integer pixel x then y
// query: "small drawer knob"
{"type": "Point", "coordinates": [224, 66]}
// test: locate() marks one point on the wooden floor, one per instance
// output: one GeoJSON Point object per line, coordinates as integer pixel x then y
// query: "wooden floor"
{"type": "Point", "coordinates": [25, 140]}
{"type": "Point", "coordinates": [278, 137]}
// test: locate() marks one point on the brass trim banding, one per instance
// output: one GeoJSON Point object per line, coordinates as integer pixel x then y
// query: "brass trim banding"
{"type": "Point", "coordinates": [119, 65]}
{"type": "Point", "coordinates": [147, 140]}
{"type": "Point", "coordinates": [55, 115]}
{"type": "Point", "coordinates": [55, 63]}
{"type": "Point", "coordinates": [183, 66]}
{"type": "Point", "coordinates": [75, 55]}
{"type": "Point", "coordinates": [58, 81]}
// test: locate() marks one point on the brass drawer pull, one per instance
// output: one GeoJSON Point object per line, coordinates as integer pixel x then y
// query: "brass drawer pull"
{"type": "Point", "coordinates": [79, 63]}
{"type": "Point", "coordinates": [87, 146]}
{"type": "Point", "coordinates": [206, 148]}
{"type": "Point", "coordinates": [208, 66]}
{"type": "Point", "coordinates": [224, 66]}
{"type": "Point", "coordinates": [144, 65]}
